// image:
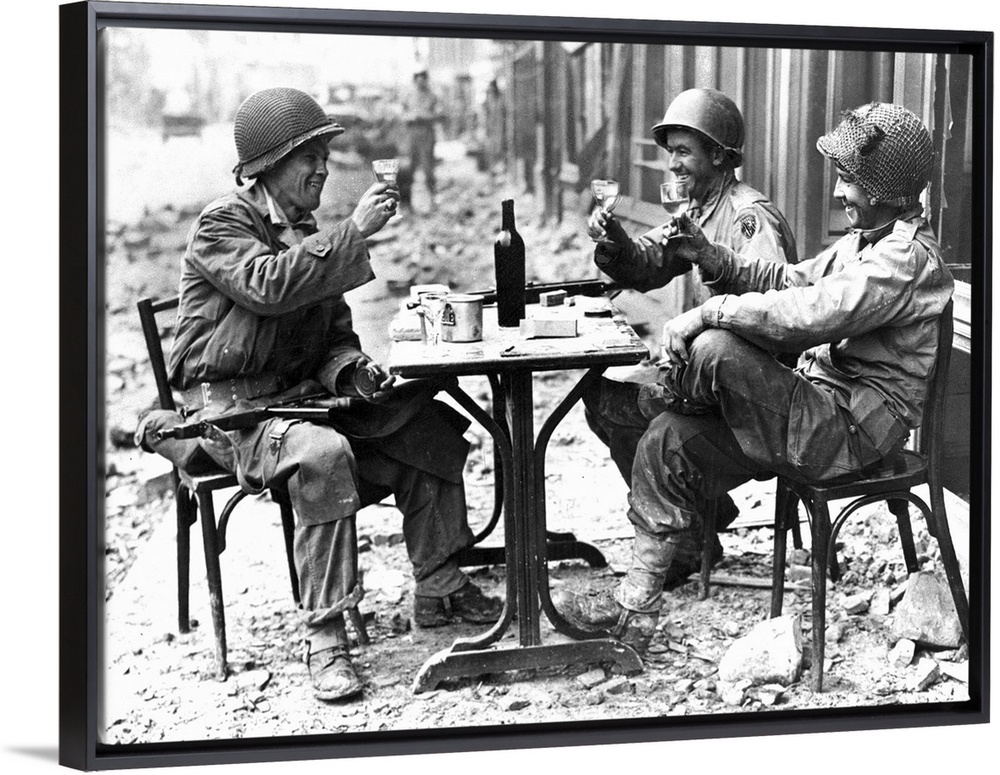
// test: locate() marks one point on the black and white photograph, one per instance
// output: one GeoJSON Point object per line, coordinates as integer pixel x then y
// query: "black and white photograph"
{"type": "Point", "coordinates": [462, 382]}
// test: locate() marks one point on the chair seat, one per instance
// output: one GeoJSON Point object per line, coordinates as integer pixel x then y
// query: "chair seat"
{"type": "Point", "coordinates": [207, 481]}
{"type": "Point", "coordinates": [900, 471]}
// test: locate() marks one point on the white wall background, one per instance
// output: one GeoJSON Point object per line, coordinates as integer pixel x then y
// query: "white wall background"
{"type": "Point", "coordinates": [28, 284]}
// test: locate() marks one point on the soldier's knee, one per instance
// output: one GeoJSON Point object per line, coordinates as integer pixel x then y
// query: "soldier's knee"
{"type": "Point", "coordinates": [714, 345]}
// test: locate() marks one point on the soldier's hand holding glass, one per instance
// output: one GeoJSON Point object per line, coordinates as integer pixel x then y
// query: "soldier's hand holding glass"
{"type": "Point", "coordinates": [689, 243]}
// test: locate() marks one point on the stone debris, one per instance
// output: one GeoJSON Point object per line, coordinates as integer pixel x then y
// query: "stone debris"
{"type": "Point", "coordinates": [835, 632]}
{"type": "Point", "coordinates": [880, 603]}
{"type": "Point", "coordinates": [514, 702]}
{"type": "Point", "coordinates": [857, 603]}
{"type": "Point", "coordinates": [956, 671]}
{"type": "Point", "coordinates": [769, 694]}
{"type": "Point", "coordinates": [253, 679]}
{"type": "Point", "coordinates": [592, 678]}
{"type": "Point", "coordinates": [733, 693]}
{"type": "Point", "coordinates": [795, 573]}
{"type": "Point", "coordinates": [618, 685]}
{"type": "Point", "coordinates": [926, 614]}
{"type": "Point", "coordinates": [901, 655]}
{"type": "Point", "coordinates": [770, 653]}
{"type": "Point", "coordinates": [684, 686]}
{"type": "Point", "coordinates": [925, 673]}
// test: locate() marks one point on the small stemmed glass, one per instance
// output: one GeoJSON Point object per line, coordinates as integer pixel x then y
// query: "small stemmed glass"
{"type": "Point", "coordinates": [387, 170]}
{"type": "Point", "coordinates": [607, 193]}
{"type": "Point", "coordinates": [675, 196]}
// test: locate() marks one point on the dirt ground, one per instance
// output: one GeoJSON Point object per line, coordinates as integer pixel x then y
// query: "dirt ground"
{"type": "Point", "coordinates": [158, 684]}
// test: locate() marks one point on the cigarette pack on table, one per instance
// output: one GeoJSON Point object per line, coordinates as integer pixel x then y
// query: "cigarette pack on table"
{"type": "Point", "coordinates": [542, 327]}
{"type": "Point", "coordinates": [551, 298]}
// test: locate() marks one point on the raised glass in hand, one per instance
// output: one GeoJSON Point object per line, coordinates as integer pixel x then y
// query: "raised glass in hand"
{"type": "Point", "coordinates": [386, 170]}
{"type": "Point", "coordinates": [607, 193]}
{"type": "Point", "coordinates": [675, 197]}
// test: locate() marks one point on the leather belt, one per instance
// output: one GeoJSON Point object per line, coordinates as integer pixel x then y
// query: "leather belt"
{"type": "Point", "coordinates": [229, 391]}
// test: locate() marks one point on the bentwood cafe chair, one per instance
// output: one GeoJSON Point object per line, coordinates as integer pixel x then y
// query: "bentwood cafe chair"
{"type": "Point", "coordinates": [893, 482]}
{"type": "Point", "coordinates": [194, 488]}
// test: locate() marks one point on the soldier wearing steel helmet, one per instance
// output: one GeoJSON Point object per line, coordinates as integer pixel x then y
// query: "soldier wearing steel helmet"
{"type": "Point", "coordinates": [864, 313]}
{"type": "Point", "coordinates": [703, 134]}
{"type": "Point", "coordinates": [262, 318]}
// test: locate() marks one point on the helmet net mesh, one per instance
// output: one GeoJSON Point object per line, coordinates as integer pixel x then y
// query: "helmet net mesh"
{"type": "Point", "coordinates": [886, 148]}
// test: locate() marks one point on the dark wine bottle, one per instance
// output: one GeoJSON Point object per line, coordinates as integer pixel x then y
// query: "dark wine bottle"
{"type": "Point", "coordinates": [508, 256]}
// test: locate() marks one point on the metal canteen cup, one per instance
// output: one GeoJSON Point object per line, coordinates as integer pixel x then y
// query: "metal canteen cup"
{"type": "Point", "coordinates": [462, 320]}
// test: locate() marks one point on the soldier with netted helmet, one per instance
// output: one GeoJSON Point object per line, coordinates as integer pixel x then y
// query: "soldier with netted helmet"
{"type": "Point", "coordinates": [865, 315]}
{"type": "Point", "coordinates": [703, 134]}
{"type": "Point", "coordinates": [262, 319]}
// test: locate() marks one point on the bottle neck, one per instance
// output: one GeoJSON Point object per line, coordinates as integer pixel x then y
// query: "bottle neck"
{"type": "Point", "coordinates": [507, 209]}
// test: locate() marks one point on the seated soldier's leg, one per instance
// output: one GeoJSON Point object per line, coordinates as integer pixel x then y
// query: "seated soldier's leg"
{"type": "Point", "coordinates": [612, 411]}
{"type": "Point", "coordinates": [681, 461]}
{"type": "Point", "coordinates": [319, 467]}
{"type": "Point", "coordinates": [435, 528]}
{"type": "Point", "coordinates": [783, 422]}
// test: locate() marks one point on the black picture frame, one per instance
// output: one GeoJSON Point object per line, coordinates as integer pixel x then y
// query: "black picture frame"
{"type": "Point", "coordinates": [80, 366]}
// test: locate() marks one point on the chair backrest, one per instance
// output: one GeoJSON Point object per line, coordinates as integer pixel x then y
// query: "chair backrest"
{"type": "Point", "coordinates": [148, 309]}
{"type": "Point", "coordinates": [932, 426]}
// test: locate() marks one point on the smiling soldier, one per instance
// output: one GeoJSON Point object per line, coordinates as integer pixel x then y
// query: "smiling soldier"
{"type": "Point", "coordinates": [262, 319]}
{"type": "Point", "coordinates": [702, 132]}
{"type": "Point", "coordinates": [865, 314]}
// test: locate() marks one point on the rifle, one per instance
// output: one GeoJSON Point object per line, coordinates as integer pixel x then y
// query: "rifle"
{"type": "Point", "coordinates": [317, 407]}
{"type": "Point", "coordinates": [572, 287]}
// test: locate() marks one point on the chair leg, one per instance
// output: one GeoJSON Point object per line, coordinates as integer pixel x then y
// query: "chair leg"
{"type": "Point", "coordinates": [708, 525]}
{"type": "Point", "coordinates": [901, 510]}
{"type": "Point", "coordinates": [784, 503]}
{"type": "Point", "coordinates": [952, 569]}
{"type": "Point", "coordinates": [821, 551]}
{"type": "Point", "coordinates": [284, 502]}
{"type": "Point", "coordinates": [793, 520]}
{"type": "Point", "coordinates": [213, 571]}
{"type": "Point", "coordinates": [186, 512]}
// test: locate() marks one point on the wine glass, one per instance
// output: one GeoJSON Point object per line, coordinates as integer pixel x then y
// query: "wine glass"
{"type": "Point", "coordinates": [387, 170]}
{"type": "Point", "coordinates": [432, 308]}
{"type": "Point", "coordinates": [607, 192]}
{"type": "Point", "coordinates": [675, 196]}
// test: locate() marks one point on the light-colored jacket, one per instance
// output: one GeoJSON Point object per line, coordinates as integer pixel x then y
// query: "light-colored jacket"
{"type": "Point", "coordinates": [865, 312]}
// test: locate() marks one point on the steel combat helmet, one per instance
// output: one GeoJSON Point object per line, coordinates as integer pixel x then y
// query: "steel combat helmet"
{"type": "Point", "coordinates": [886, 148]}
{"type": "Point", "coordinates": [709, 112]}
{"type": "Point", "coordinates": [271, 123]}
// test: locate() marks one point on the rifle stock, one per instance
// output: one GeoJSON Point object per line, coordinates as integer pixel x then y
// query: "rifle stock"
{"type": "Point", "coordinates": [235, 420]}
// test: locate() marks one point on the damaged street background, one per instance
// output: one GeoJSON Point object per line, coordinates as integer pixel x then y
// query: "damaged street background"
{"type": "Point", "coordinates": [720, 655]}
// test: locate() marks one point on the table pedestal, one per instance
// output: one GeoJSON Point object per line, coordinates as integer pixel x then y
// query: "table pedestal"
{"type": "Point", "coordinates": [527, 553]}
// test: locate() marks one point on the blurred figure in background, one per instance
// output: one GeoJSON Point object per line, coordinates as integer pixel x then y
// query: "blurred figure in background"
{"type": "Point", "coordinates": [421, 113]}
{"type": "Point", "coordinates": [494, 128]}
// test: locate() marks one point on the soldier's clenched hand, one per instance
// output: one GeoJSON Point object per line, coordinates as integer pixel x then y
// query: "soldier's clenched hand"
{"type": "Point", "coordinates": [376, 206]}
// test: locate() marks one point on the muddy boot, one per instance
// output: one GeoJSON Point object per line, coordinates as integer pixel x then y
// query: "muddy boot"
{"type": "Point", "coordinates": [333, 675]}
{"type": "Point", "coordinates": [600, 610]}
{"type": "Point", "coordinates": [468, 604]}
{"type": "Point", "coordinates": [630, 612]}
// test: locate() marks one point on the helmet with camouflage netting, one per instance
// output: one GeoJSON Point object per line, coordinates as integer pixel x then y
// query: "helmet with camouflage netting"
{"type": "Point", "coordinates": [271, 123]}
{"type": "Point", "coordinates": [886, 148]}
{"type": "Point", "coordinates": [709, 112]}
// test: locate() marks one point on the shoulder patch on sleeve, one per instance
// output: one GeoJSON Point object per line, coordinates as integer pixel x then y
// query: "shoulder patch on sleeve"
{"type": "Point", "coordinates": [748, 223]}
